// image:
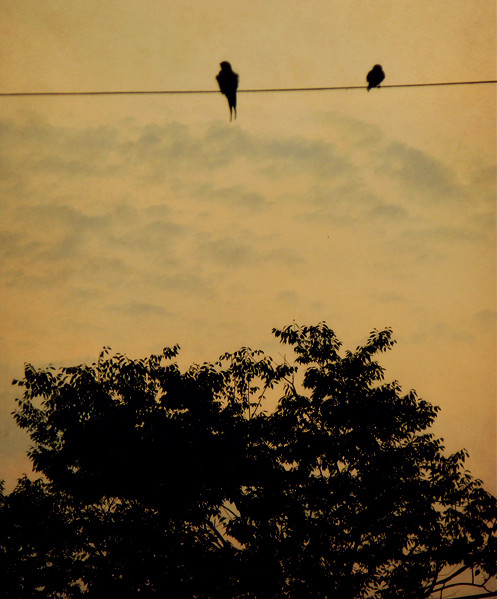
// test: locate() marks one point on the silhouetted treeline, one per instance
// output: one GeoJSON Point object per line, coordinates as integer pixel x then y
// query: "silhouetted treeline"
{"type": "Point", "coordinates": [158, 482]}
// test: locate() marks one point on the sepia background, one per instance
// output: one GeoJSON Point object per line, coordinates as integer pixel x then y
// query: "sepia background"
{"type": "Point", "coordinates": [140, 221]}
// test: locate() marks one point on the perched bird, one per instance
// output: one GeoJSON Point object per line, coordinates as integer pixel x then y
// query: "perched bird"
{"type": "Point", "coordinates": [375, 76]}
{"type": "Point", "coordinates": [228, 84]}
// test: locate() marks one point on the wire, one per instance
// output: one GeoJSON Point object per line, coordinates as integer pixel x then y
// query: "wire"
{"type": "Point", "coordinates": [209, 91]}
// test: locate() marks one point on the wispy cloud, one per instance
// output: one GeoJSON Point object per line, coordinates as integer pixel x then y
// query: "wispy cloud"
{"type": "Point", "coordinates": [181, 212]}
{"type": "Point", "coordinates": [431, 180]}
{"type": "Point", "coordinates": [139, 309]}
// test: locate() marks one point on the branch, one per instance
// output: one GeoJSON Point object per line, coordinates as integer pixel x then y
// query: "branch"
{"type": "Point", "coordinates": [441, 586]}
{"type": "Point", "coordinates": [482, 596]}
{"type": "Point", "coordinates": [472, 585]}
{"type": "Point", "coordinates": [468, 584]}
{"type": "Point", "coordinates": [430, 589]}
{"type": "Point", "coordinates": [261, 397]}
{"type": "Point", "coordinates": [451, 576]}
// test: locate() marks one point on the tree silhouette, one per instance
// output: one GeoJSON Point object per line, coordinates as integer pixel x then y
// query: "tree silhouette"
{"type": "Point", "coordinates": [194, 484]}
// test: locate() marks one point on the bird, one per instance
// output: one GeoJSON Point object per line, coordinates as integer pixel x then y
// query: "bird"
{"type": "Point", "coordinates": [375, 76]}
{"type": "Point", "coordinates": [228, 84]}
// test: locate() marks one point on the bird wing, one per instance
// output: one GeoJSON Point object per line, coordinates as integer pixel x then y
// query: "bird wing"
{"type": "Point", "coordinates": [228, 83]}
{"type": "Point", "coordinates": [220, 81]}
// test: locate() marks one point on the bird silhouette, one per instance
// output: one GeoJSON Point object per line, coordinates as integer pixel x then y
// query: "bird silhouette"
{"type": "Point", "coordinates": [375, 76]}
{"type": "Point", "coordinates": [228, 84]}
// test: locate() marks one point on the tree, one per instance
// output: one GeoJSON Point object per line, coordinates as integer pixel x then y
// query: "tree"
{"type": "Point", "coordinates": [368, 503]}
{"type": "Point", "coordinates": [188, 484]}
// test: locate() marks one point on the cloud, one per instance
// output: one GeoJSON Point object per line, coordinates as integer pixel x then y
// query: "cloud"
{"type": "Point", "coordinates": [229, 251]}
{"type": "Point", "coordinates": [183, 281]}
{"type": "Point", "coordinates": [486, 317]}
{"type": "Point", "coordinates": [235, 197]}
{"type": "Point", "coordinates": [389, 166]}
{"type": "Point", "coordinates": [442, 332]}
{"type": "Point", "coordinates": [139, 309]}
{"type": "Point", "coordinates": [289, 295]}
{"type": "Point", "coordinates": [353, 205]}
{"type": "Point", "coordinates": [283, 157]}
{"type": "Point", "coordinates": [453, 235]}
{"type": "Point", "coordinates": [414, 169]}
{"type": "Point", "coordinates": [155, 152]}
{"type": "Point", "coordinates": [388, 211]}
{"type": "Point", "coordinates": [152, 238]}
{"type": "Point", "coordinates": [63, 151]}
{"type": "Point", "coordinates": [391, 298]}
{"type": "Point", "coordinates": [15, 244]}
{"type": "Point", "coordinates": [131, 156]}
{"type": "Point", "coordinates": [96, 213]}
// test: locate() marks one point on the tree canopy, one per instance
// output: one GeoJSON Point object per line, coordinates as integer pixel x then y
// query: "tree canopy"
{"type": "Point", "coordinates": [243, 478]}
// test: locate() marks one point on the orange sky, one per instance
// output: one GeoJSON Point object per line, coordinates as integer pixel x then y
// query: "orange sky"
{"type": "Point", "coordinates": [139, 222]}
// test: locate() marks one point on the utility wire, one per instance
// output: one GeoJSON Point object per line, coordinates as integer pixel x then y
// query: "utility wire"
{"type": "Point", "coordinates": [209, 91]}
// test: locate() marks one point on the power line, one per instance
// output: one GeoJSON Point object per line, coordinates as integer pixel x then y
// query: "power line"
{"type": "Point", "coordinates": [209, 91]}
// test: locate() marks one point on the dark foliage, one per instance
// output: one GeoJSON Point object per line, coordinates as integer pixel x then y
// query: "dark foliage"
{"type": "Point", "coordinates": [185, 485]}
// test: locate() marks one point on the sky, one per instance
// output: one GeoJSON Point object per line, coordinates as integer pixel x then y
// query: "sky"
{"type": "Point", "coordinates": [141, 221]}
